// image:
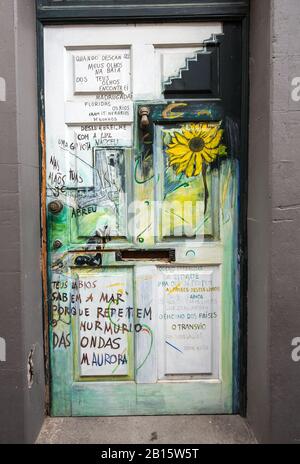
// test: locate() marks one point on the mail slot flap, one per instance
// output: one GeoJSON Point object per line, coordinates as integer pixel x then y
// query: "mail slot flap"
{"type": "Point", "coordinates": [146, 255]}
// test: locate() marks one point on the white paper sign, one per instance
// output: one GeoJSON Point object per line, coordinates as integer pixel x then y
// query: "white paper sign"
{"type": "Point", "coordinates": [99, 111]}
{"type": "Point", "coordinates": [188, 314]}
{"type": "Point", "coordinates": [105, 325]}
{"type": "Point", "coordinates": [88, 137]}
{"type": "Point", "coordinates": [105, 71]}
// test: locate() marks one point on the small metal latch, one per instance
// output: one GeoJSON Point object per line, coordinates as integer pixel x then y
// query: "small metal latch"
{"type": "Point", "coordinates": [144, 112]}
{"type": "Point", "coordinates": [55, 206]}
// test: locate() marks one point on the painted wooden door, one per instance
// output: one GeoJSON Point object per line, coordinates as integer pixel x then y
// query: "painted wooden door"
{"type": "Point", "coordinates": [142, 181]}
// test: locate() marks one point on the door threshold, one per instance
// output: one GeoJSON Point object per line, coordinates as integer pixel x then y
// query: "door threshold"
{"type": "Point", "coordinates": [219, 429]}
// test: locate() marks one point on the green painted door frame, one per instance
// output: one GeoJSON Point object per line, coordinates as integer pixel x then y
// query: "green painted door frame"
{"type": "Point", "coordinates": [234, 15]}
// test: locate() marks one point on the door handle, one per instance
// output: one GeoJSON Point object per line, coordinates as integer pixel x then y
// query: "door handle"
{"type": "Point", "coordinates": [144, 112]}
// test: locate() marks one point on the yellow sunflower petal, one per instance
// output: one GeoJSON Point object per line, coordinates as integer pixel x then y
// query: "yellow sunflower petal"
{"type": "Point", "coordinates": [208, 155]}
{"type": "Point", "coordinates": [190, 168]}
{"type": "Point", "coordinates": [178, 150]}
{"type": "Point", "coordinates": [182, 167]}
{"type": "Point", "coordinates": [204, 130]}
{"type": "Point", "coordinates": [184, 163]}
{"type": "Point", "coordinates": [180, 158]}
{"type": "Point", "coordinates": [210, 134]}
{"type": "Point", "coordinates": [196, 129]}
{"type": "Point", "coordinates": [187, 133]}
{"type": "Point", "coordinates": [190, 129]}
{"type": "Point", "coordinates": [181, 139]}
{"type": "Point", "coordinates": [179, 170]}
{"type": "Point", "coordinates": [198, 163]}
{"type": "Point", "coordinates": [215, 141]}
{"type": "Point", "coordinates": [212, 151]}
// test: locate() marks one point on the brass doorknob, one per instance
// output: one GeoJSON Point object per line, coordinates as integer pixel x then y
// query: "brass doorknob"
{"type": "Point", "coordinates": [144, 112]}
{"type": "Point", "coordinates": [55, 206]}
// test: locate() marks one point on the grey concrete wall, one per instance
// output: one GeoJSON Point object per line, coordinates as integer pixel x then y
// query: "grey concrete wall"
{"type": "Point", "coordinates": [21, 404]}
{"type": "Point", "coordinates": [274, 222]}
{"type": "Point", "coordinates": [285, 256]}
{"type": "Point", "coordinates": [259, 220]}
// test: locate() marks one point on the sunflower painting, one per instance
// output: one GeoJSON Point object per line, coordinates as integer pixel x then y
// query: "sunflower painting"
{"type": "Point", "coordinates": [193, 148]}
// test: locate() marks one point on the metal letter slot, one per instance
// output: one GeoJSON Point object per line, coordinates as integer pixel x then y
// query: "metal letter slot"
{"type": "Point", "coordinates": [146, 255]}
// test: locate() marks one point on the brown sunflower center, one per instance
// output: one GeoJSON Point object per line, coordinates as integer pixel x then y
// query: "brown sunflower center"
{"type": "Point", "coordinates": [196, 144]}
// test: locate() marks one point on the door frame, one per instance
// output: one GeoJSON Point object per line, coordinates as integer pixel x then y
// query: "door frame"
{"type": "Point", "coordinates": [51, 12]}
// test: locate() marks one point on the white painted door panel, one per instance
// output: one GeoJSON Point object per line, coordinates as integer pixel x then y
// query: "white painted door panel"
{"type": "Point", "coordinates": [172, 342]}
